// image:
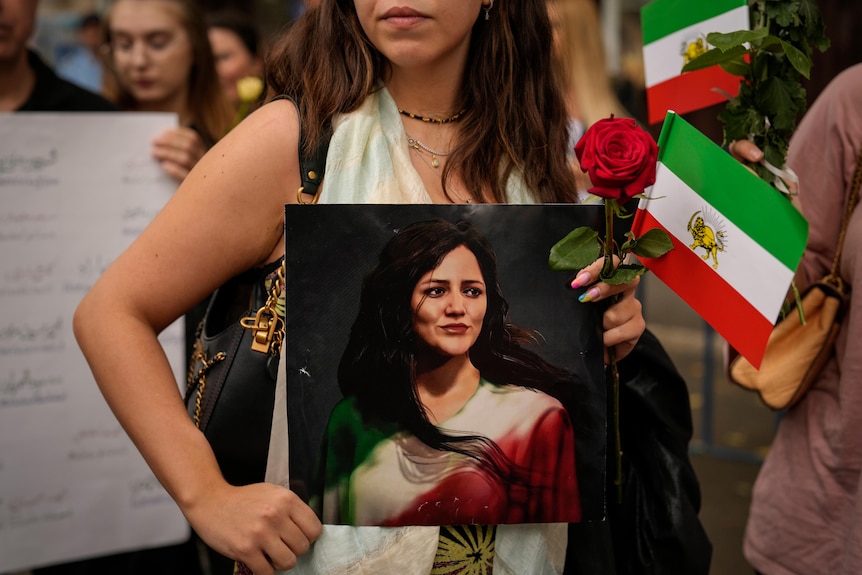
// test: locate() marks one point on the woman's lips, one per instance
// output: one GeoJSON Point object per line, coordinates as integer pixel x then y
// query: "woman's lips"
{"type": "Point", "coordinates": [404, 17]}
{"type": "Point", "coordinates": [403, 12]}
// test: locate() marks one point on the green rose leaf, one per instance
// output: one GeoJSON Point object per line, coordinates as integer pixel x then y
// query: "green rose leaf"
{"type": "Point", "coordinates": [783, 13]}
{"type": "Point", "coordinates": [624, 274]}
{"type": "Point", "coordinates": [652, 244]}
{"type": "Point", "coordinates": [812, 24]}
{"type": "Point", "coordinates": [576, 251]}
{"type": "Point", "coordinates": [778, 94]}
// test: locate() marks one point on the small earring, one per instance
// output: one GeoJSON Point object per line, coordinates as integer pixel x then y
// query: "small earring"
{"type": "Point", "coordinates": [488, 10]}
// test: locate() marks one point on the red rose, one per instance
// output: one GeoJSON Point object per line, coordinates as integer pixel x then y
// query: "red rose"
{"type": "Point", "coordinates": [619, 157]}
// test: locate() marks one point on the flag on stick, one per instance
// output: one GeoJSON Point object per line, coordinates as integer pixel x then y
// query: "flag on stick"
{"type": "Point", "coordinates": [737, 241]}
{"type": "Point", "coordinates": [674, 31]}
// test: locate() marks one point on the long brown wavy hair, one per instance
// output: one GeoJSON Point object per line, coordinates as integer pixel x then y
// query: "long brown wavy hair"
{"type": "Point", "coordinates": [211, 113]}
{"type": "Point", "coordinates": [515, 115]}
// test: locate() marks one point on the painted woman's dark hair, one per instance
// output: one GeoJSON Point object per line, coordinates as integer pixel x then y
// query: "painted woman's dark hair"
{"type": "Point", "coordinates": [377, 367]}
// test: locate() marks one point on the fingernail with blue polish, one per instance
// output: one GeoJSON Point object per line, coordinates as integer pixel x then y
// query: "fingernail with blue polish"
{"type": "Point", "coordinates": [589, 295]}
{"type": "Point", "coordinates": [582, 280]}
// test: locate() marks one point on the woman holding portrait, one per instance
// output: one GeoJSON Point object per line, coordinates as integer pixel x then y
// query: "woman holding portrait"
{"type": "Point", "coordinates": [472, 81]}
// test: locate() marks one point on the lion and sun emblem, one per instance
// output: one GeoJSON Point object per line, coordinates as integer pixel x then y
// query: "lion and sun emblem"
{"type": "Point", "coordinates": [707, 231]}
{"type": "Point", "coordinates": [693, 47]}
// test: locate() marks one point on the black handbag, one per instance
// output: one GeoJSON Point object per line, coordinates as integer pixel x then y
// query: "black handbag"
{"type": "Point", "coordinates": [230, 391]}
{"type": "Point", "coordinates": [231, 382]}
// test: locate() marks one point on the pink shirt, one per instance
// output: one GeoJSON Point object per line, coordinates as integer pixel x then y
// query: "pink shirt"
{"type": "Point", "coordinates": [806, 510]}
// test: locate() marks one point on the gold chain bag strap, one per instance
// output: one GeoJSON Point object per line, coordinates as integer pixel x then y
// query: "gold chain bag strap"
{"type": "Point", "coordinates": [796, 352]}
{"type": "Point", "coordinates": [230, 391]}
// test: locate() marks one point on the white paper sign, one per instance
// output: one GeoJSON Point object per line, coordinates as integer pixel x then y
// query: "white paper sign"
{"type": "Point", "coordinates": [75, 190]}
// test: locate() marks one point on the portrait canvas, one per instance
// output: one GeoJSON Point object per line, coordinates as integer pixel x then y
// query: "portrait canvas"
{"type": "Point", "coordinates": [438, 371]}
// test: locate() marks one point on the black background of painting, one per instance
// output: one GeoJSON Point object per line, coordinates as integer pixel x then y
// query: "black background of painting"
{"type": "Point", "coordinates": [329, 249]}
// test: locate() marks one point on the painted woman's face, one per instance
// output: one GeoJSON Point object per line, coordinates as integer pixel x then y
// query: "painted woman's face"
{"type": "Point", "coordinates": [449, 304]}
{"type": "Point", "coordinates": [151, 51]}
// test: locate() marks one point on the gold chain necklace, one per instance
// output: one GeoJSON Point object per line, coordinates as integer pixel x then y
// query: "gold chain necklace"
{"type": "Point", "coordinates": [454, 118]}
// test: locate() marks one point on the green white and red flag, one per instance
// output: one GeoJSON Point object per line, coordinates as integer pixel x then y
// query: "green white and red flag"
{"type": "Point", "coordinates": [737, 241]}
{"type": "Point", "coordinates": [674, 31]}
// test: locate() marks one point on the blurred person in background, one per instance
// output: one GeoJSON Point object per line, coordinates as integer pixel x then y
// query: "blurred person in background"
{"type": "Point", "coordinates": [806, 506]}
{"type": "Point", "coordinates": [160, 60]}
{"type": "Point", "coordinates": [83, 64]}
{"type": "Point", "coordinates": [166, 63]}
{"type": "Point", "coordinates": [238, 51]}
{"type": "Point", "coordinates": [578, 44]}
{"type": "Point", "coordinates": [27, 83]}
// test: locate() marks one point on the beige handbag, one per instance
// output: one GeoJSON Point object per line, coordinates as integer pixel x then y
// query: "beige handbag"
{"type": "Point", "coordinates": [796, 352]}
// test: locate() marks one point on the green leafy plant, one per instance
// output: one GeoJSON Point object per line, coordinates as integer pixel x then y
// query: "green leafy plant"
{"type": "Point", "coordinates": [772, 59]}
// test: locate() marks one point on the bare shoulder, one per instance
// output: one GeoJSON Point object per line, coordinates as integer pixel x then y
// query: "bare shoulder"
{"type": "Point", "coordinates": [276, 120]}
{"type": "Point", "coordinates": [228, 213]}
{"type": "Point", "coordinates": [250, 174]}
{"type": "Point", "coordinates": [264, 145]}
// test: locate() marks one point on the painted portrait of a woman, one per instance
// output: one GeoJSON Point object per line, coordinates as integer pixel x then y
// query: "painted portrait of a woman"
{"type": "Point", "coordinates": [447, 417]}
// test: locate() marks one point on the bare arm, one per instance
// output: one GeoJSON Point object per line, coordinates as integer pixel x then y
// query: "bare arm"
{"type": "Point", "coordinates": [226, 217]}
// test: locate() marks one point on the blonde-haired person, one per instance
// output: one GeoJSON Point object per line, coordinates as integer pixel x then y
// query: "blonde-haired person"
{"type": "Point", "coordinates": [160, 60]}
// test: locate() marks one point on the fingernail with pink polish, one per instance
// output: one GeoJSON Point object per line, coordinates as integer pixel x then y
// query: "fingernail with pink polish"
{"type": "Point", "coordinates": [589, 295]}
{"type": "Point", "coordinates": [582, 280]}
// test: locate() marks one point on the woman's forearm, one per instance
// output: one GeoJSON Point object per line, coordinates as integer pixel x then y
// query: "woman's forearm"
{"type": "Point", "coordinates": [136, 379]}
